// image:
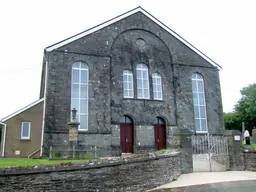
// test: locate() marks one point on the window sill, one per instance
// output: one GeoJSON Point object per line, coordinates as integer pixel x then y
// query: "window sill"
{"type": "Point", "coordinates": [82, 131]}
{"type": "Point", "coordinates": [23, 139]}
{"type": "Point", "coordinates": [156, 100]}
{"type": "Point", "coordinates": [201, 132]}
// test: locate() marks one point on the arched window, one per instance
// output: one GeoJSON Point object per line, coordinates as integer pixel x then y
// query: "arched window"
{"type": "Point", "coordinates": [142, 81]}
{"type": "Point", "coordinates": [79, 93]}
{"type": "Point", "coordinates": [128, 84]}
{"type": "Point", "coordinates": [199, 103]}
{"type": "Point", "coordinates": [159, 121]}
{"type": "Point", "coordinates": [157, 86]}
{"type": "Point", "coordinates": [126, 119]}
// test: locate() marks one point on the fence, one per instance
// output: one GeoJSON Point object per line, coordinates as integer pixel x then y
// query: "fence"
{"type": "Point", "coordinates": [69, 152]}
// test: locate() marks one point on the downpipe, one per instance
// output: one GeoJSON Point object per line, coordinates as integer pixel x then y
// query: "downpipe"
{"type": "Point", "coordinates": [4, 129]}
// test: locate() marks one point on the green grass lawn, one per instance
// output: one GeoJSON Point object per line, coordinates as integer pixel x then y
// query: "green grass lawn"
{"type": "Point", "coordinates": [15, 162]}
{"type": "Point", "coordinates": [252, 146]}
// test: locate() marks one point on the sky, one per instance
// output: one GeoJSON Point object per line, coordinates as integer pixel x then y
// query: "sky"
{"type": "Point", "coordinates": [223, 30]}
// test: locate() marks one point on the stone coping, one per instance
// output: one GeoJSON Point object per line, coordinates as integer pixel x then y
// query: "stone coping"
{"type": "Point", "coordinates": [75, 166]}
{"type": "Point", "coordinates": [249, 151]}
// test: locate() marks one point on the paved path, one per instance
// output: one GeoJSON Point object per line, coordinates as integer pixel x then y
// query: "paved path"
{"type": "Point", "coordinates": [204, 165]}
{"type": "Point", "coordinates": [206, 178]}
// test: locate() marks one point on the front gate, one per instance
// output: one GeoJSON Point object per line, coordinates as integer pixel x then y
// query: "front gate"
{"type": "Point", "coordinates": [210, 153]}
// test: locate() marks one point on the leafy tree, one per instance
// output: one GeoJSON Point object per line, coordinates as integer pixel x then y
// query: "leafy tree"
{"type": "Point", "coordinates": [245, 110]}
{"type": "Point", "coordinates": [232, 121]}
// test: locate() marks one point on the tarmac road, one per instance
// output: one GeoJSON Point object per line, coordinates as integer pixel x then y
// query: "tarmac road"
{"type": "Point", "coordinates": [232, 186]}
{"type": "Point", "coordinates": [229, 181]}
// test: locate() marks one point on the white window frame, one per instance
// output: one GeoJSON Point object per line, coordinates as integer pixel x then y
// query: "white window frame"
{"type": "Point", "coordinates": [21, 133]}
{"type": "Point", "coordinates": [126, 75]}
{"type": "Point", "coordinates": [79, 98]}
{"type": "Point", "coordinates": [198, 78]}
{"type": "Point", "coordinates": [158, 92]}
{"type": "Point", "coordinates": [139, 69]}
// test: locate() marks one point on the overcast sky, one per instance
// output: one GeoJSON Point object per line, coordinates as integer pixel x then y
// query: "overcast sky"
{"type": "Point", "coordinates": [223, 30]}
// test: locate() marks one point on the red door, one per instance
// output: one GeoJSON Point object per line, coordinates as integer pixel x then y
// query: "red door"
{"type": "Point", "coordinates": [160, 135]}
{"type": "Point", "coordinates": [126, 137]}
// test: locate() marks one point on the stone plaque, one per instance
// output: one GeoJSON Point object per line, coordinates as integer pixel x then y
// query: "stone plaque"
{"type": "Point", "coordinates": [73, 134]}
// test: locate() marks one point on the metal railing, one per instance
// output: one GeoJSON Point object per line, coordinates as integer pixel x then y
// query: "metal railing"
{"type": "Point", "coordinates": [72, 152]}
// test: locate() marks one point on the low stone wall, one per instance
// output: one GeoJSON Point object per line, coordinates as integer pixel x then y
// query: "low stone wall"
{"type": "Point", "coordinates": [250, 160]}
{"type": "Point", "coordinates": [136, 173]}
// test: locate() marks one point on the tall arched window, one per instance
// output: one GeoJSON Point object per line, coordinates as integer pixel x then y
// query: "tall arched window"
{"type": "Point", "coordinates": [157, 86]}
{"type": "Point", "coordinates": [79, 93]}
{"type": "Point", "coordinates": [128, 84]}
{"type": "Point", "coordinates": [142, 81]}
{"type": "Point", "coordinates": [199, 103]}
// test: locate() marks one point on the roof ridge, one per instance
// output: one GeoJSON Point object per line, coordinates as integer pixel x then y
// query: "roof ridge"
{"type": "Point", "coordinates": [122, 16]}
{"type": "Point", "coordinates": [21, 110]}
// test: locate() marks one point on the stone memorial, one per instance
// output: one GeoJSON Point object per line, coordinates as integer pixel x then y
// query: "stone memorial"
{"type": "Point", "coordinates": [253, 140]}
{"type": "Point", "coordinates": [73, 132]}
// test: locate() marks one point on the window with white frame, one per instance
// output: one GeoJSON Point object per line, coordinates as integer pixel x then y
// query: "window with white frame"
{"type": "Point", "coordinates": [25, 130]}
{"type": "Point", "coordinates": [128, 84]}
{"type": "Point", "coordinates": [199, 103]}
{"type": "Point", "coordinates": [157, 86]}
{"type": "Point", "coordinates": [79, 93]}
{"type": "Point", "coordinates": [142, 81]}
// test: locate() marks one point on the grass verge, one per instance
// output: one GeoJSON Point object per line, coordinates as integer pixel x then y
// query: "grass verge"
{"type": "Point", "coordinates": [252, 146]}
{"type": "Point", "coordinates": [16, 162]}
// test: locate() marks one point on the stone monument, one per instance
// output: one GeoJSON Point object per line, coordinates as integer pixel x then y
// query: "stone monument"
{"type": "Point", "coordinates": [253, 135]}
{"type": "Point", "coordinates": [73, 132]}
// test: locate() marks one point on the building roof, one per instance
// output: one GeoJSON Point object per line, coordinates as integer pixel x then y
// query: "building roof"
{"type": "Point", "coordinates": [21, 110]}
{"type": "Point", "coordinates": [122, 16]}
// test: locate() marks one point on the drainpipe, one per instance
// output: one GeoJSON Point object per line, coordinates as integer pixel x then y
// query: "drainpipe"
{"type": "Point", "coordinates": [43, 120]}
{"type": "Point", "coordinates": [4, 129]}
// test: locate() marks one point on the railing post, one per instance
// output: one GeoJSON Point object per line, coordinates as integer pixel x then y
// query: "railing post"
{"type": "Point", "coordinates": [95, 152]}
{"type": "Point", "coordinates": [73, 150]}
{"type": "Point", "coordinates": [50, 154]}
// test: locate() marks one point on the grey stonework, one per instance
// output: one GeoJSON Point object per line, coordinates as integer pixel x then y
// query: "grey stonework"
{"type": "Point", "coordinates": [110, 51]}
{"type": "Point", "coordinates": [236, 157]}
{"type": "Point", "coordinates": [249, 160]}
{"type": "Point", "coordinates": [131, 174]}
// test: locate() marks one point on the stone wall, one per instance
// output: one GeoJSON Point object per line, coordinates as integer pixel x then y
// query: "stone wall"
{"type": "Point", "coordinates": [250, 160]}
{"type": "Point", "coordinates": [130, 174]}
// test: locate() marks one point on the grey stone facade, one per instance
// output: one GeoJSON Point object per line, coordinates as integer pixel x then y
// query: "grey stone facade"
{"type": "Point", "coordinates": [108, 52]}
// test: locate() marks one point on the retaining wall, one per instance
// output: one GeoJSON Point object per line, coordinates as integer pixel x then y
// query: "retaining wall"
{"type": "Point", "coordinates": [116, 174]}
{"type": "Point", "coordinates": [250, 160]}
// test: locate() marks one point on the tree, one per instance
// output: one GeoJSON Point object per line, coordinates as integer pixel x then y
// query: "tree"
{"type": "Point", "coordinates": [245, 110]}
{"type": "Point", "coordinates": [246, 106]}
{"type": "Point", "coordinates": [232, 121]}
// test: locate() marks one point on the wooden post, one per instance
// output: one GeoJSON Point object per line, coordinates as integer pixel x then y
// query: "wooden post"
{"type": "Point", "coordinates": [243, 130]}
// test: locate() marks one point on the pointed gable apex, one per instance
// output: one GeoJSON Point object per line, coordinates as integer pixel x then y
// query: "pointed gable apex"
{"type": "Point", "coordinates": [122, 16]}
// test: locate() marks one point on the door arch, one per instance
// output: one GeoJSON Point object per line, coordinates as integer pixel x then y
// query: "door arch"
{"type": "Point", "coordinates": [126, 134]}
{"type": "Point", "coordinates": [160, 133]}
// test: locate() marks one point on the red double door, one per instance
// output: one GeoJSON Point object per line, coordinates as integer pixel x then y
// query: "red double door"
{"type": "Point", "coordinates": [126, 137]}
{"type": "Point", "coordinates": [160, 136]}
